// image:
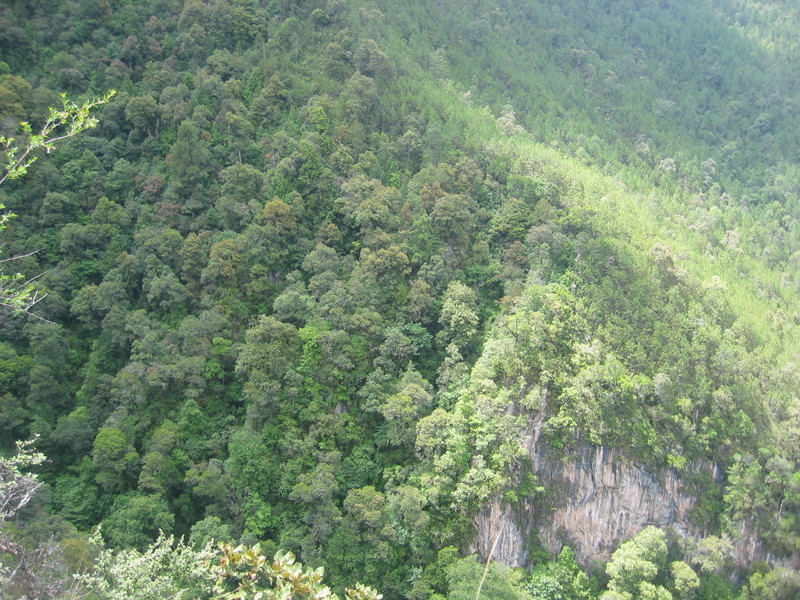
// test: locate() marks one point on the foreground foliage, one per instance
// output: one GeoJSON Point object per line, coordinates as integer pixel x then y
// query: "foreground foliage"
{"type": "Point", "coordinates": [170, 569]}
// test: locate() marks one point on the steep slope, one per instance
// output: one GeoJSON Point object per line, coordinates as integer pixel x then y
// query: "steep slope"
{"type": "Point", "coordinates": [665, 230]}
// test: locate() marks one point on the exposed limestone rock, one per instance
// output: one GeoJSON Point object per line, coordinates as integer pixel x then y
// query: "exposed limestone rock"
{"type": "Point", "coordinates": [498, 519]}
{"type": "Point", "coordinates": [598, 498]}
{"type": "Point", "coordinates": [608, 499]}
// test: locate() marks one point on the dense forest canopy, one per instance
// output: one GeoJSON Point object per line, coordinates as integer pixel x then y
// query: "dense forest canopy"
{"type": "Point", "coordinates": [331, 277]}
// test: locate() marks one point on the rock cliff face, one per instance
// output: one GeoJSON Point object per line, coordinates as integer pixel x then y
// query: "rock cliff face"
{"type": "Point", "coordinates": [607, 499]}
{"type": "Point", "coordinates": [598, 498]}
{"type": "Point", "coordinates": [503, 534]}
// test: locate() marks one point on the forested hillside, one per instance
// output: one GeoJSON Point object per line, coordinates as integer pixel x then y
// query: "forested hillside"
{"type": "Point", "coordinates": [339, 277]}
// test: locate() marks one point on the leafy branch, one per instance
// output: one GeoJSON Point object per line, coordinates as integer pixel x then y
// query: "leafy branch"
{"type": "Point", "coordinates": [16, 291]}
{"type": "Point", "coordinates": [61, 124]}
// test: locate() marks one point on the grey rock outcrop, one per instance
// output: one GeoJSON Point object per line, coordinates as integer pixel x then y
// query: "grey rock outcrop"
{"type": "Point", "coordinates": [608, 499]}
{"type": "Point", "coordinates": [597, 498]}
